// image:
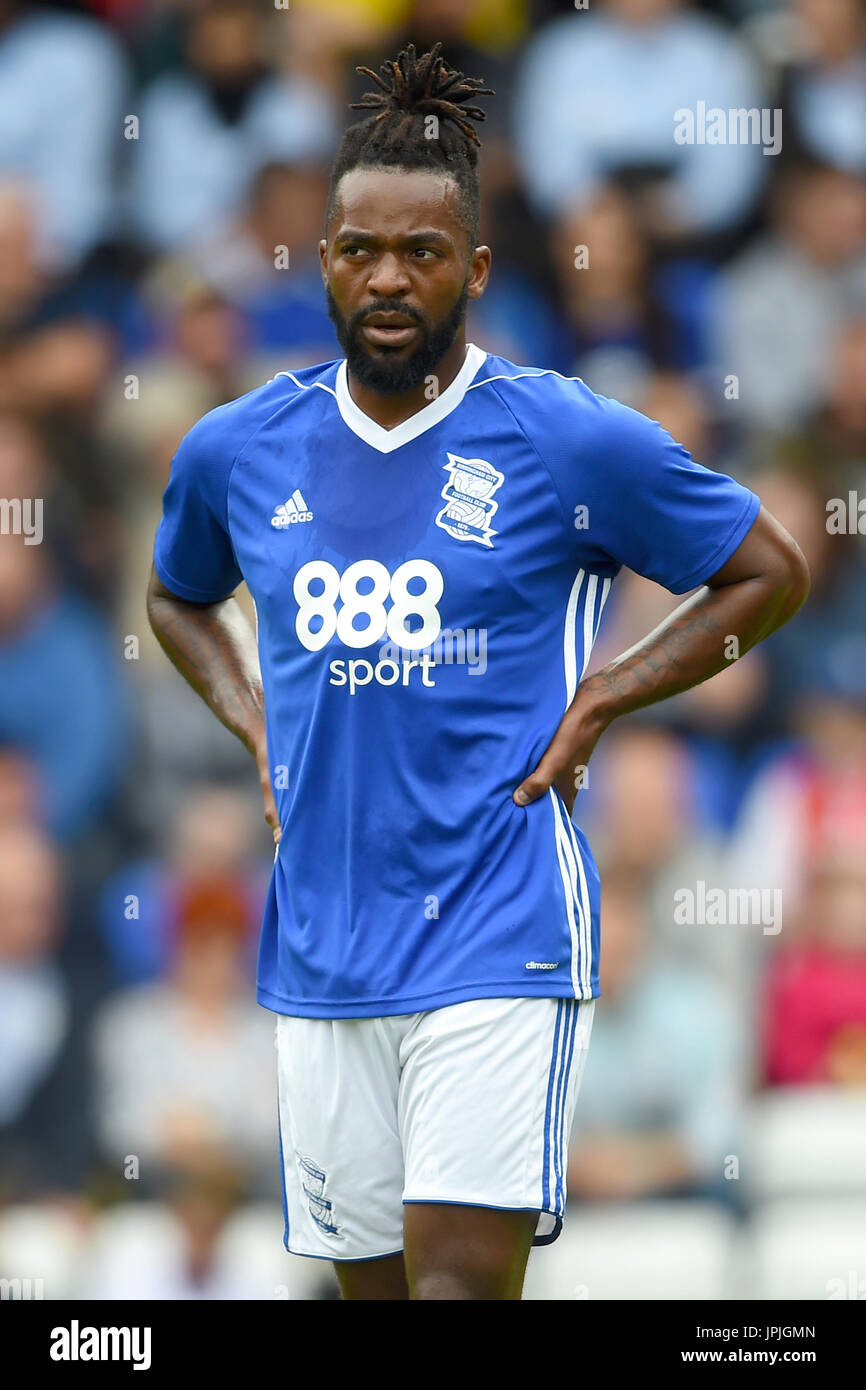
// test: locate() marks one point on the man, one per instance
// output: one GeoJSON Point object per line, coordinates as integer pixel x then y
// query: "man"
{"type": "Point", "coordinates": [430, 941]}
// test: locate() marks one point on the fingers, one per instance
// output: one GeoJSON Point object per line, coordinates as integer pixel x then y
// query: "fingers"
{"type": "Point", "coordinates": [564, 762]}
{"type": "Point", "coordinates": [538, 783]}
{"type": "Point", "coordinates": [271, 813]}
{"type": "Point", "coordinates": [536, 786]}
{"type": "Point", "coordinates": [567, 774]}
{"type": "Point", "coordinates": [531, 789]}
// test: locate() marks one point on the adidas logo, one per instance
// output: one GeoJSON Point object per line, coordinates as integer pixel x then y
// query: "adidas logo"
{"type": "Point", "coordinates": [292, 510]}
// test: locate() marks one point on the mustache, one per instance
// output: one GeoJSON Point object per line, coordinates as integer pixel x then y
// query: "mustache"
{"type": "Point", "coordinates": [384, 306]}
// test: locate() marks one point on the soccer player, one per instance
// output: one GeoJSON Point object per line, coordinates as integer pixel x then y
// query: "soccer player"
{"type": "Point", "coordinates": [430, 534]}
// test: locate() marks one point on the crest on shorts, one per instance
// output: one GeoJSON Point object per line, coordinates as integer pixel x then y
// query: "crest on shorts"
{"type": "Point", "coordinates": [468, 495]}
{"type": "Point", "coordinates": [313, 1181]}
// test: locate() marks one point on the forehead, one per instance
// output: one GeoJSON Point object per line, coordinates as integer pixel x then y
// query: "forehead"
{"type": "Point", "coordinates": [395, 202]}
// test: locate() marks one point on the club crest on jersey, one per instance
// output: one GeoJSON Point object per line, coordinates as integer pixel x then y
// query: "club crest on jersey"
{"type": "Point", "coordinates": [468, 494]}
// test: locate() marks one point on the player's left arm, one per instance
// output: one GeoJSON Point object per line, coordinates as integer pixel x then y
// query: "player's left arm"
{"type": "Point", "coordinates": [759, 588]}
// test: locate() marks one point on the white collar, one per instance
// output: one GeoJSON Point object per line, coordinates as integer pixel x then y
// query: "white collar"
{"type": "Point", "coordinates": [386, 441]}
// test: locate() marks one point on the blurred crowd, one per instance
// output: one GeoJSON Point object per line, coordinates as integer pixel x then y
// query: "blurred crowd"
{"type": "Point", "coordinates": [163, 170]}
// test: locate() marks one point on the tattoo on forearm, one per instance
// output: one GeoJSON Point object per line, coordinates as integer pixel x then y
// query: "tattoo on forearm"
{"type": "Point", "coordinates": [686, 649]}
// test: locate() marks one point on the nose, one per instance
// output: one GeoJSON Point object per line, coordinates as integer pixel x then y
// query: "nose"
{"type": "Point", "coordinates": [388, 277]}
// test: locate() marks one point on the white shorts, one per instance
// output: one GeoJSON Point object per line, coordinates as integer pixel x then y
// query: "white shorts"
{"type": "Point", "coordinates": [470, 1104]}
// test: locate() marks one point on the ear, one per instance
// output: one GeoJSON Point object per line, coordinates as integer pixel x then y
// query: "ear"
{"type": "Point", "coordinates": [479, 272]}
{"type": "Point", "coordinates": [323, 260]}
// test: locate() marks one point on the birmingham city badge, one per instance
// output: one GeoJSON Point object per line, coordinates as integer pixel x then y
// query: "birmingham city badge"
{"type": "Point", "coordinates": [468, 495]}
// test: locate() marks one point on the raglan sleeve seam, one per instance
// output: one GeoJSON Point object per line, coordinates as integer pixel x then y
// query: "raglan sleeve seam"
{"type": "Point", "coordinates": [542, 460]}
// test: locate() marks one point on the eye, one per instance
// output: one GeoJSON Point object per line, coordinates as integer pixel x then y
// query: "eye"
{"type": "Point", "coordinates": [348, 250]}
{"type": "Point", "coordinates": [425, 251]}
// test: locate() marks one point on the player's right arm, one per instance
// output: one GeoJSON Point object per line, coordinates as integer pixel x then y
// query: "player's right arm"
{"type": "Point", "coordinates": [213, 647]}
{"type": "Point", "coordinates": [197, 621]}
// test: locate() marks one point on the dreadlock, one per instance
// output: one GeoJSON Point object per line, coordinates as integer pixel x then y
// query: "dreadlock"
{"type": "Point", "coordinates": [398, 134]}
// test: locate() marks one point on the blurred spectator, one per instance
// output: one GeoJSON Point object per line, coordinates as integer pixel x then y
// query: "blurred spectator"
{"type": "Point", "coordinates": [186, 1066]}
{"type": "Point", "coordinates": [195, 359]}
{"type": "Point", "coordinates": [846, 406]}
{"type": "Point", "coordinates": [19, 788]}
{"type": "Point", "coordinates": [658, 1108]}
{"type": "Point", "coordinates": [55, 343]}
{"type": "Point", "coordinates": [33, 1006]}
{"type": "Point", "coordinates": [325, 35]}
{"type": "Point", "coordinates": [198, 1242]}
{"type": "Point", "coordinates": [659, 807]}
{"type": "Point", "coordinates": [597, 97]}
{"type": "Point", "coordinates": [45, 1132]}
{"type": "Point", "coordinates": [833, 443]}
{"type": "Point", "coordinates": [622, 315]}
{"type": "Point", "coordinates": [824, 88]}
{"type": "Point", "coordinates": [195, 362]}
{"type": "Point", "coordinates": [809, 803]}
{"type": "Point", "coordinates": [679, 405]}
{"type": "Point", "coordinates": [208, 128]}
{"type": "Point", "coordinates": [210, 835]}
{"type": "Point", "coordinates": [514, 320]}
{"type": "Point", "coordinates": [266, 266]}
{"type": "Point", "coordinates": [644, 797]}
{"type": "Point", "coordinates": [824, 652]}
{"type": "Point", "coordinates": [62, 703]}
{"type": "Point", "coordinates": [813, 1014]}
{"type": "Point", "coordinates": [613, 327]}
{"type": "Point", "coordinates": [177, 1250]}
{"type": "Point", "coordinates": [782, 304]}
{"type": "Point", "coordinates": [66, 145]}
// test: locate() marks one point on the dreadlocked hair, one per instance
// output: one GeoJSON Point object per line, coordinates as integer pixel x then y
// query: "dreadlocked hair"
{"type": "Point", "coordinates": [398, 133]}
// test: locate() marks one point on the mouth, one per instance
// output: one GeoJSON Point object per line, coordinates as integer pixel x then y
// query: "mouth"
{"type": "Point", "coordinates": [389, 330]}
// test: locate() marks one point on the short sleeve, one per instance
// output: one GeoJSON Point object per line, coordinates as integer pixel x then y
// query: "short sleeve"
{"type": "Point", "coordinates": [648, 504]}
{"type": "Point", "coordinates": [193, 554]}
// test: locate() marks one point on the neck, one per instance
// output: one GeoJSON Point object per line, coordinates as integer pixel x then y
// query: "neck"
{"type": "Point", "coordinates": [390, 411]}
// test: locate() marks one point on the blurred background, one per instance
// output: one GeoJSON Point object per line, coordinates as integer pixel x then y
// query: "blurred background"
{"type": "Point", "coordinates": [163, 167]}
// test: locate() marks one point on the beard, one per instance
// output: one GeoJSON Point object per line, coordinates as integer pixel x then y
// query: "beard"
{"type": "Point", "coordinates": [388, 372]}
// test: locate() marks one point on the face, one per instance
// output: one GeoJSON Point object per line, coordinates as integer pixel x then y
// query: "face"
{"type": "Point", "coordinates": [223, 44]}
{"type": "Point", "coordinates": [398, 271]}
{"type": "Point", "coordinates": [29, 895]}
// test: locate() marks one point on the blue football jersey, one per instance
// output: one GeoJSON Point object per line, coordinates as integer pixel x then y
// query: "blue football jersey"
{"type": "Point", "coordinates": [427, 599]}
